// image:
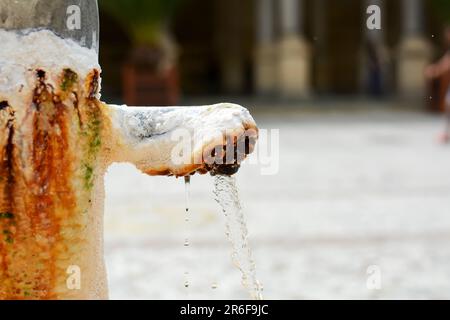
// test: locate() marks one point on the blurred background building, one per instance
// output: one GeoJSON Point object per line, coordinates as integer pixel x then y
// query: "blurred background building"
{"type": "Point", "coordinates": [282, 49]}
{"type": "Point", "coordinates": [362, 181]}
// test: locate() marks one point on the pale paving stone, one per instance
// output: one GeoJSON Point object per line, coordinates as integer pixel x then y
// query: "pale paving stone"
{"type": "Point", "coordinates": [353, 190]}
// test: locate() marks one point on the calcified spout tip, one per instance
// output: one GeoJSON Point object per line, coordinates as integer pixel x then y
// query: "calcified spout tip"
{"type": "Point", "coordinates": [182, 141]}
{"type": "Point", "coordinates": [225, 169]}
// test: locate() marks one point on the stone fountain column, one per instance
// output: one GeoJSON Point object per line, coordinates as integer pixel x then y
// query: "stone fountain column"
{"type": "Point", "coordinates": [229, 44]}
{"type": "Point", "coordinates": [320, 61]}
{"type": "Point", "coordinates": [414, 53]}
{"type": "Point", "coordinates": [265, 55]}
{"type": "Point", "coordinates": [375, 62]}
{"type": "Point", "coordinates": [294, 57]}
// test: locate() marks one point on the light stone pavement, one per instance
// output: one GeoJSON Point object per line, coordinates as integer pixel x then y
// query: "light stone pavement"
{"type": "Point", "coordinates": [354, 189]}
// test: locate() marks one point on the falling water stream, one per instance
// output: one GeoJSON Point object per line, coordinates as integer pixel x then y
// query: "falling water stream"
{"type": "Point", "coordinates": [236, 230]}
{"type": "Point", "coordinates": [226, 195]}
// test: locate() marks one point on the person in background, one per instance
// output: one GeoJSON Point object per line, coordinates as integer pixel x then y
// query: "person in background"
{"type": "Point", "coordinates": [437, 70]}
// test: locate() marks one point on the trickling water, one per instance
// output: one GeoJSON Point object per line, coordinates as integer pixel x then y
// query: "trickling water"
{"type": "Point", "coordinates": [187, 184]}
{"type": "Point", "coordinates": [187, 187]}
{"type": "Point", "coordinates": [236, 230]}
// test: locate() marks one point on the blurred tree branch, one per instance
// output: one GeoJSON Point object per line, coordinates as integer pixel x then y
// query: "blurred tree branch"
{"type": "Point", "coordinates": [143, 19]}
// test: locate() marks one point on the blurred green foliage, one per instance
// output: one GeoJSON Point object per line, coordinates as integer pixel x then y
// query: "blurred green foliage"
{"type": "Point", "coordinates": [442, 8]}
{"type": "Point", "coordinates": [143, 19]}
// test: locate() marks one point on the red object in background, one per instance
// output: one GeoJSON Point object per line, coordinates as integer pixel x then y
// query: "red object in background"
{"type": "Point", "coordinates": [143, 87]}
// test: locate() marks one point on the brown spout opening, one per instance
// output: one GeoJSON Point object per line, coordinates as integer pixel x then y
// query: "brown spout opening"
{"type": "Point", "coordinates": [3, 105]}
{"type": "Point", "coordinates": [227, 168]}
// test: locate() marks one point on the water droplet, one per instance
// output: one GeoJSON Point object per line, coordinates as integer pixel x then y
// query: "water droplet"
{"type": "Point", "coordinates": [186, 242]}
{"type": "Point", "coordinates": [214, 285]}
{"type": "Point", "coordinates": [186, 284]}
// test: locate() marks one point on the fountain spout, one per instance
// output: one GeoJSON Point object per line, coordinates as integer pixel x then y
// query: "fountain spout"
{"type": "Point", "coordinates": [183, 140]}
{"type": "Point", "coordinates": [57, 140]}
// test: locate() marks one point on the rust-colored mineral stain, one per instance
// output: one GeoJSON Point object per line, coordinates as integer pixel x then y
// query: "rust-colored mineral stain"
{"type": "Point", "coordinates": [184, 171]}
{"type": "Point", "coordinates": [6, 189]}
{"type": "Point", "coordinates": [51, 163]}
{"type": "Point", "coordinates": [92, 81]}
{"type": "Point", "coordinates": [31, 208]}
